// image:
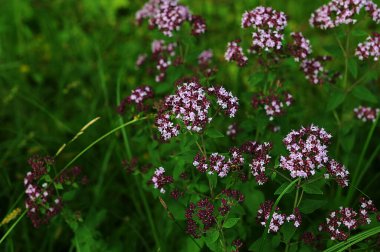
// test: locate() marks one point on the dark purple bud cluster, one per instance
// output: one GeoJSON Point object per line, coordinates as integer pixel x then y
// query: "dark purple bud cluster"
{"type": "Point", "coordinates": [369, 48]}
{"type": "Point", "coordinates": [268, 24]}
{"type": "Point", "coordinates": [235, 53]}
{"type": "Point", "coordinates": [338, 12]}
{"type": "Point", "coordinates": [159, 180]}
{"type": "Point", "coordinates": [315, 72]}
{"type": "Point", "coordinates": [137, 98]}
{"type": "Point", "coordinates": [340, 223]}
{"type": "Point", "coordinates": [366, 113]}
{"type": "Point", "coordinates": [237, 244]}
{"type": "Point", "coordinates": [295, 217]}
{"type": "Point", "coordinates": [199, 217]}
{"type": "Point", "coordinates": [273, 103]}
{"type": "Point", "coordinates": [198, 25]}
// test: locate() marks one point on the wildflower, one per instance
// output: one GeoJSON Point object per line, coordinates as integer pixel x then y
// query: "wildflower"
{"type": "Point", "coordinates": [273, 103]}
{"type": "Point", "coordinates": [202, 213]}
{"type": "Point", "coordinates": [159, 180]}
{"type": "Point", "coordinates": [369, 48]}
{"type": "Point", "coordinates": [141, 59]}
{"type": "Point", "coordinates": [198, 25]}
{"type": "Point", "coordinates": [308, 151]}
{"type": "Point", "coordinates": [137, 97]}
{"type": "Point", "coordinates": [237, 244]}
{"type": "Point", "coordinates": [260, 160]}
{"type": "Point", "coordinates": [338, 171]}
{"type": "Point", "coordinates": [166, 127]}
{"type": "Point", "coordinates": [232, 130]}
{"type": "Point", "coordinates": [366, 113]}
{"type": "Point", "coordinates": [277, 220]}
{"type": "Point", "coordinates": [176, 194]}
{"type": "Point", "coordinates": [41, 201]}
{"type": "Point", "coordinates": [225, 100]}
{"type": "Point", "coordinates": [366, 207]}
{"type": "Point", "coordinates": [300, 49]}
{"type": "Point", "coordinates": [308, 238]}
{"type": "Point", "coordinates": [235, 53]}
{"type": "Point", "coordinates": [205, 57]}
{"type": "Point", "coordinates": [295, 217]}
{"type": "Point", "coordinates": [200, 162]}
{"type": "Point", "coordinates": [314, 70]}
{"type": "Point", "coordinates": [218, 164]}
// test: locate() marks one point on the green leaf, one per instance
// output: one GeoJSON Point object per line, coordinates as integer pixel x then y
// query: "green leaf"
{"type": "Point", "coordinates": [309, 206]}
{"type": "Point", "coordinates": [312, 188]}
{"type": "Point", "coordinates": [281, 189]}
{"type": "Point", "coordinates": [69, 195]}
{"type": "Point", "coordinates": [276, 240]}
{"type": "Point", "coordinates": [288, 230]}
{"type": "Point", "coordinates": [212, 236]}
{"type": "Point", "coordinates": [335, 100]}
{"type": "Point", "coordinates": [353, 67]}
{"type": "Point", "coordinates": [362, 93]}
{"type": "Point", "coordinates": [213, 133]}
{"type": "Point", "coordinates": [58, 186]}
{"type": "Point", "coordinates": [229, 223]}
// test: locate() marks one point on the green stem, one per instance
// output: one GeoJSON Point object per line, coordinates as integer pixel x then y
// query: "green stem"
{"type": "Point", "coordinates": [358, 173]}
{"type": "Point", "coordinates": [13, 226]}
{"type": "Point", "coordinates": [294, 207]}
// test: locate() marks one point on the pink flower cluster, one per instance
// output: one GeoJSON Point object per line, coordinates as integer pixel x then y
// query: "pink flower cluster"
{"type": "Point", "coordinates": [225, 100]}
{"type": "Point", "coordinates": [369, 48]}
{"type": "Point", "coordinates": [338, 12]}
{"type": "Point", "coordinates": [340, 223]}
{"type": "Point", "coordinates": [190, 105]}
{"type": "Point", "coordinates": [168, 16]}
{"type": "Point", "coordinates": [159, 180]}
{"type": "Point", "coordinates": [41, 201]}
{"type": "Point", "coordinates": [204, 61]}
{"type": "Point", "coordinates": [308, 153]}
{"type": "Point", "coordinates": [300, 49]}
{"type": "Point", "coordinates": [235, 53]}
{"type": "Point", "coordinates": [315, 72]}
{"type": "Point", "coordinates": [269, 25]}
{"type": "Point", "coordinates": [278, 219]}
{"type": "Point", "coordinates": [217, 163]}
{"type": "Point", "coordinates": [137, 97]}
{"type": "Point", "coordinates": [366, 113]}
{"type": "Point", "coordinates": [273, 103]}
{"type": "Point", "coordinates": [260, 160]}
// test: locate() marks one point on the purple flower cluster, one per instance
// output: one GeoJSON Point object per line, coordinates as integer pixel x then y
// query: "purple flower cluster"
{"type": "Point", "coordinates": [338, 12]}
{"type": "Point", "coordinates": [308, 151]}
{"type": "Point", "coordinates": [273, 103]}
{"type": "Point", "coordinates": [315, 72]}
{"type": "Point", "coordinates": [235, 53]}
{"type": "Point", "coordinates": [369, 48]}
{"type": "Point", "coordinates": [340, 223]}
{"type": "Point", "coordinates": [159, 180]}
{"type": "Point", "coordinates": [137, 98]}
{"type": "Point", "coordinates": [229, 199]}
{"type": "Point", "coordinates": [269, 25]}
{"type": "Point", "coordinates": [204, 61]}
{"type": "Point", "coordinates": [41, 201]}
{"type": "Point", "coordinates": [300, 49]}
{"type": "Point", "coordinates": [217, 163]}
{"type": "Point", "coordinates": [225, 100]}
{"type": "Point", "coordinates": [190, 105]}
{"type": "Point", "coordinates": [168, 16]}
{"type": "Point", "coordinates": [338, 171]}
{"type": "Point", "coordinates": [260, 160]}
{"type": "Point", "coordinates": [366, 113]}
{"type": "Point", "coordinates": [278, 219]}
